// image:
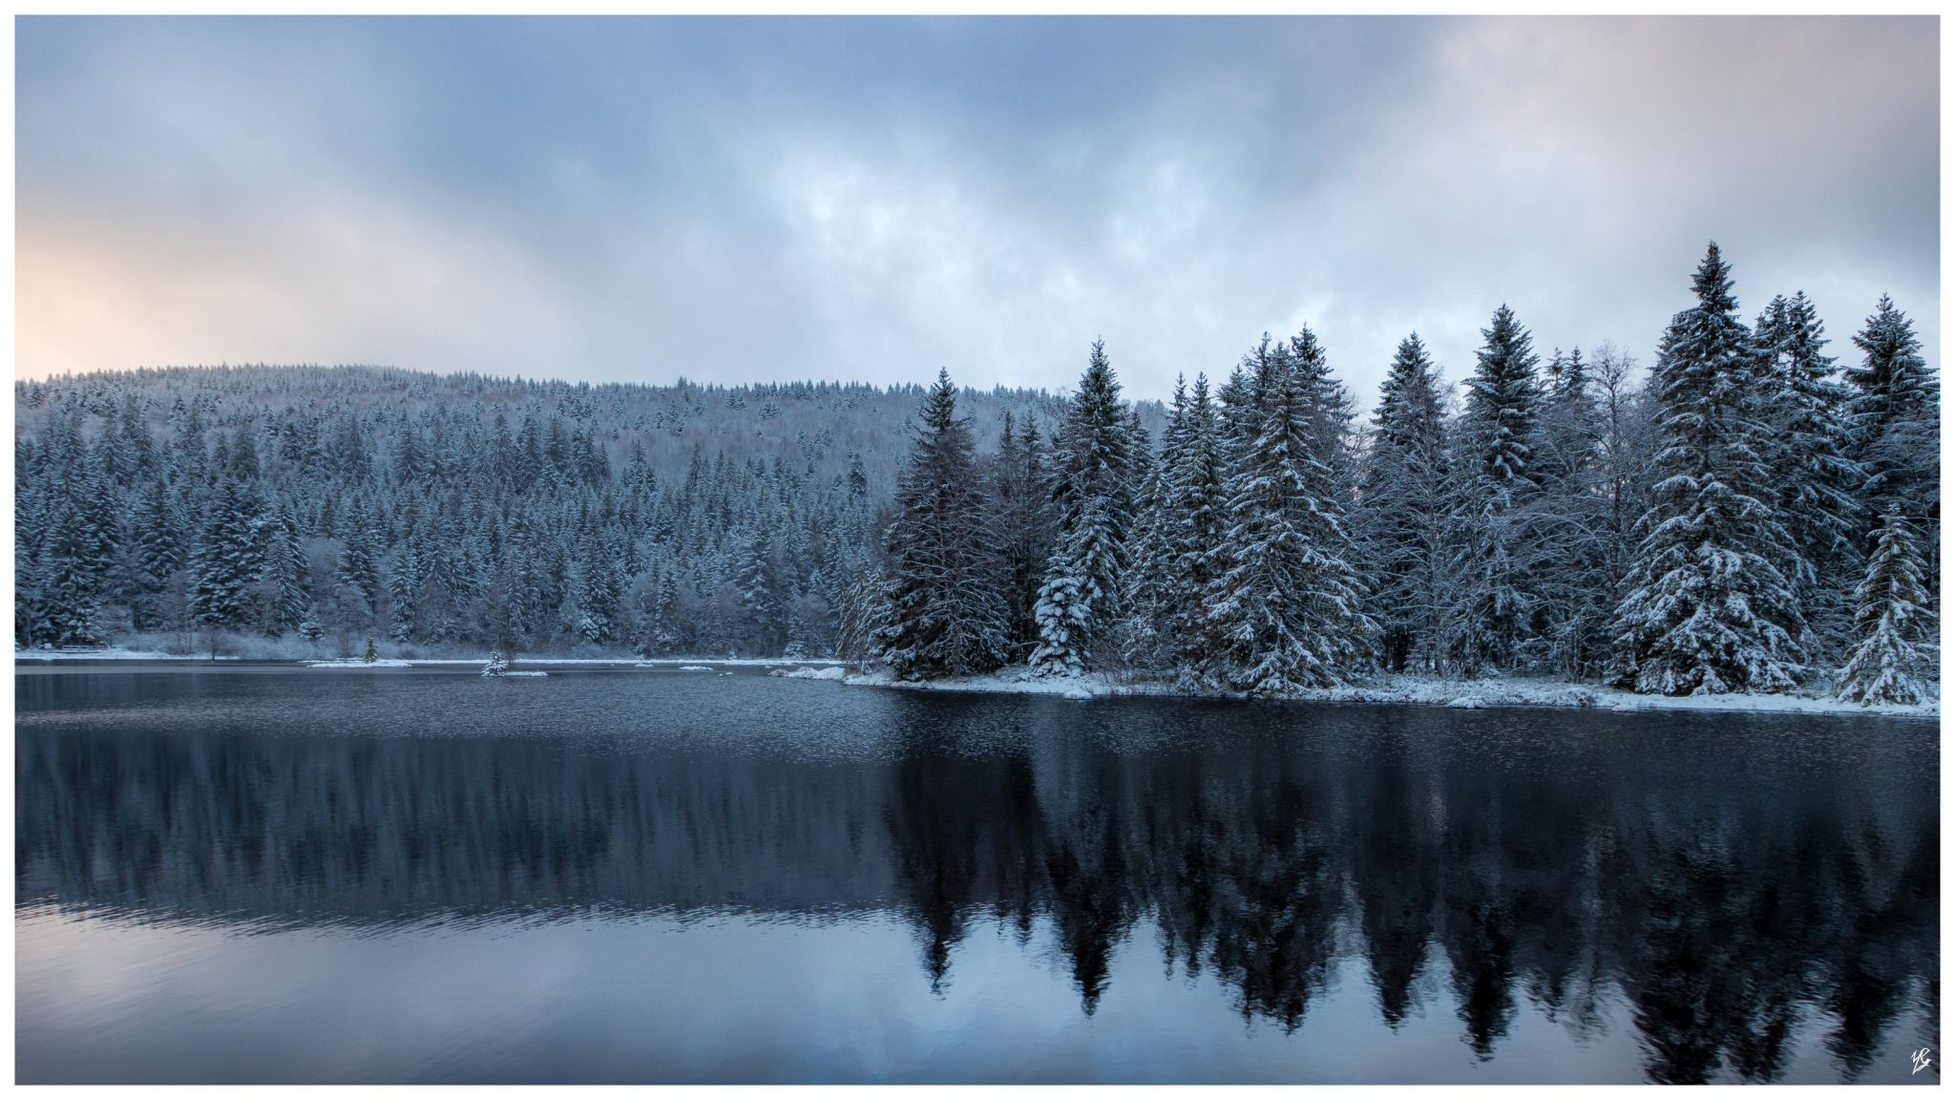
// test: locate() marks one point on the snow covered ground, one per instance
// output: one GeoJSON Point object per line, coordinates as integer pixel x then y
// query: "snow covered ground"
{"type": "Point", "coordinates": [1019, 681]}
{"type": "Point", "coordinates": [831, 672]}
{"type": "Point", "coordinates": [1465, 694]}
{"type": "Point", "coordinates": [733, 662]}
{"type": "Point", "coordinates": [116, 653]}
{"type": "Point", "coordinates": [113, 653]}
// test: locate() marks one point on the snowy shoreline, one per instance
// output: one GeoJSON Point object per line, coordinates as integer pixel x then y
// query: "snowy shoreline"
{"type": "Point", "coordinates": [115, 655]}
{"type": "Point", "coordinates": [1412, 690]}
{"type": "Point", "coordinates": [1415, 690]}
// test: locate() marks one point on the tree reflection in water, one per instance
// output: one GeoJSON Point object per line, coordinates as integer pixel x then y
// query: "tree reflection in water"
{"type": "Point", "coordinates": [1720, 887]}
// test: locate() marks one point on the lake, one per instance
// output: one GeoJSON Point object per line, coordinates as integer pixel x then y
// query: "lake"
{"type": "Point", "coordinates": [273, 874]}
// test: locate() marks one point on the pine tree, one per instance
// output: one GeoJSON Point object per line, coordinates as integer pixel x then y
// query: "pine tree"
{"type": "Point", "coordinates": [356, 575]}
{"type": "Point", "coordinates": [70, 603]}
{"type": "Point", "coordinates": [284, 569]}
{"type": "Point", "coordinates": [947, 613]}
{"type": "Point", "coordinates": [1808, 458]}
{"type": "Point", "coordinates": [225, 562]}
{"type": "Point", "coordinates": [599, 591]}
{"type": "Point", "coordinates": [1195, 520]}
{"type": "Point", "coordinates": [1404, 494]}
{"type": "Point", "coordinates": [762, 595]}
{"type": "Point", "coordinates": [404, 588]}
{"type": "Point", "coordinates": [1286, 608]}
{"type": "Point", "coordinates": [1331, 411]}
{"type": "Point", "coordinates": [102, 550]}
{"type": "Point", "coordinates": [1497, 553]}
{"type": "Point", "coordinates": [1090, 481]}
{"type": "Point", "coordinates": [1572, 576]}
{"type": "Point", "coordinates": [1019, 505]}
{"type": "Point", "coordinates": [1709, 608]}
{"type": "Point", "coordinates": [159, 554]}
{"type": "Point", "coordinates": [1893, 626]}
{"type": "Point", "coordinates": [1152, 581]}
{"type": "Point", "coordinates": [1894, 415]}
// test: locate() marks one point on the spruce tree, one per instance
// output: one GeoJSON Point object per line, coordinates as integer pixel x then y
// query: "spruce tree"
{"type": "Point", "coordinates": [762, 594]}
{"type": "Point", "coordinates": [1894, 415]}
{"type": "Point", "coordinates": [1573, 580]}
{"type": "Point", "coordinates": [1331, 411]}
{"type": "Point", "coordinates": [1020, 505]}
{"type": "Point", "coordinates": [70, 600]}
{"type": "Point", "coordinates": [225, 562]}
{"type": "Point", "coordinates": [1286, 608]}
{"type": "Point", "coordinates": [1195, 518]}
{"type": "Point", "coordinates": [600, 590]}
{"type": "Point", "coordinates": [283, 569]}
{"type": "Point", "coordinates": [356, 575]}
{"type": "Point", "coordinates": [1810, 464]}
{"type": "Point", "coordinates": [1404, 505]}
{"type": "Point", "coordinates": [1091, 488]}
{"type": "Point", "coordinates": [1708, 606]}
{"type": "Point", "coordinates": [1893, 627]}
{"type": "Point", "coordinates": [159, 554]}
{"type": "Point", "coordinates": [946, 614]}
{"type": "Point", "coordinates": [1151, 581]}
{"type": "Point", "coordinates": [404, 588]}
{"type": "Point", "coordinates": [1497, 552]}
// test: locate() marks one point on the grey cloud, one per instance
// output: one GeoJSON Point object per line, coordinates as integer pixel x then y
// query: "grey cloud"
{"type": "Point", "coordinates": [763, 199]}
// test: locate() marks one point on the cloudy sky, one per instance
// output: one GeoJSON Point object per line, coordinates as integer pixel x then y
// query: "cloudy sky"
{"type": "Point", "coordinates": [764, 199]}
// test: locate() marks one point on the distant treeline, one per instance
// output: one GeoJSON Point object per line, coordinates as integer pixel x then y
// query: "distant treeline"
{"type": "Point", "coordinates": [189, 506]}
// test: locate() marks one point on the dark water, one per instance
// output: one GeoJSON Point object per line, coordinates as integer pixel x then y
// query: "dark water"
{"type": "Point", "coordinates": [298, 875]}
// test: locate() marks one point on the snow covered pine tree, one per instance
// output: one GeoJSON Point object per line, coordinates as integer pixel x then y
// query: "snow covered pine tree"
{"type": "Point", "coordinates": [1090, 480]}
{"type": "Point", "coordinates": [1286, 606]}
{"type": "Point", "coordinates": [1893, 627]}
{"type": "Point", "coordinates": [947, 607]}
{"type": "Point", "coordinates": [1709, 606]}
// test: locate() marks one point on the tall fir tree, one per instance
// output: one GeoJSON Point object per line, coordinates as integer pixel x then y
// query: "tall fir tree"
{"type": "Point", "coordinates": [1708, 606]}
{"type": "Point", "coordinates": [1895, 416]}
{"type": "Point", "coordinates": [356, 576]}
{"type": "Point", "coordinates": [1810, 464]}
{"type": "Point", "coordinates": [1496, 555]}
{"type": "Point", "coordinates": [69, 607]}
{"type": "Point", "coordinates": [599, 593]}
{"type": "Point", "coordinates": [283, 570]}
{"type": "Point", "coordinates": [1021, 509]}
{"type": "Point", "coordinates": [1573, 579]}
{"type": "Point", "coordinates": [1090, 483]}
{"type": "Point", "coordinates": [947, 613]}
{"type": "Point", "coordinates": [1331, 411]}
{"type": "Point", "coordinates": [1152, 580]}
{"type": "Point", "coordinates": [159, 555]}
{"type": "Point", "coordinates": [1402, 520]}
{"type": "Point", "coordinates": [226, 560]}
{"type": "Point", "coordinates": [1893, 628]}
{"type": "Point", "coordinates": [1286, 607]}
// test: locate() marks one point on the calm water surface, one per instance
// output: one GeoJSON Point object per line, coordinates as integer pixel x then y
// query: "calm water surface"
{"type": "Point", "coordinates": [273, 874]}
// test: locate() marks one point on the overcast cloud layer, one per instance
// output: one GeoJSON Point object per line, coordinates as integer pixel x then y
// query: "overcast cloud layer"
{"type": "Point", "coordinates": [768, 199]}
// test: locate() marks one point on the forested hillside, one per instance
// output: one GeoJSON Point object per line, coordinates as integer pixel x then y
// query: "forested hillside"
{"type": "Point", "coordinates": [233, 505]}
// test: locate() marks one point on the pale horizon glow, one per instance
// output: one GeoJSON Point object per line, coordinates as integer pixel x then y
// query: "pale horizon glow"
{"type": "Point", "coordinates": [868, 199]}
